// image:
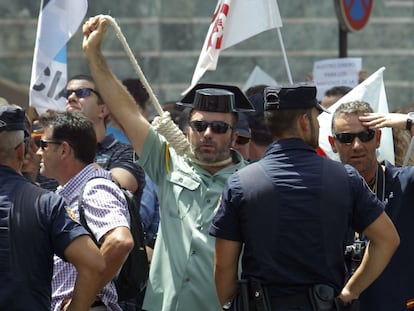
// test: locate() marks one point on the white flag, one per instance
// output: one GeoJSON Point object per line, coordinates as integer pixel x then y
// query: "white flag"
{"type": "Point", "coordinates": [58, 22]}
{"type": "Point", "coordinates": [372, 91]}
{"type": "Point", "coordinates": [234, 21]}
{"type": "Point", "coordinates": [258, 76]}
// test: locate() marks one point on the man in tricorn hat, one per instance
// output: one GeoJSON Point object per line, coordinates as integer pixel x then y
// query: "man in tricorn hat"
{"type": "Point", "coordinates": [285, 211]}
{"type": "Point", "coordinates": [181, 276]}
{"type": "Point", "coordinates": [34, 225]}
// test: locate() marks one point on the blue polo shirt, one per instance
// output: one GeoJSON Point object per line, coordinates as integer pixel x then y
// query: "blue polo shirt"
{"type": "Point", "coordinates": [394, 288]}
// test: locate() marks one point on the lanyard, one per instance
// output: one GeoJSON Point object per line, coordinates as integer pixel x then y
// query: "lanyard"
{"type": "Point", "coordinates": [380, 183]}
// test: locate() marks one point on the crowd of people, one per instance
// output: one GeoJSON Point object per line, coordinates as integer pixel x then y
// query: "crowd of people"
{"type": "Point", "coordinates": [251, 218]}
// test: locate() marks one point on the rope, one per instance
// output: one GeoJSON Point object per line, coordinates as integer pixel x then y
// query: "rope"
{"type": "Point", "coordinates": [172, 133]}
{"type": "Point", "coordinates": [162, 124]}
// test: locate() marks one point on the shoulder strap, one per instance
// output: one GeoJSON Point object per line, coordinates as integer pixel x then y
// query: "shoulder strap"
{"type": "Point", "coordinates": [132, 204]}
{"type": "Point", "coordinates": [81, 210]}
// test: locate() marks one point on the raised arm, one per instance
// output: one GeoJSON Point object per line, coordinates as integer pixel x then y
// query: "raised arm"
{"type": "Point", "coordinates": [378, 120]}
{"type": "Point", "coordinates": [114, 94]}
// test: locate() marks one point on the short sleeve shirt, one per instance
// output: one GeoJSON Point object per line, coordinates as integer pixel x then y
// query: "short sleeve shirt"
{"type": "Point", "coordinates": [395, 187]}
{"type": "Point", "coordinates": [112, 153]}
{"type": "Point", "coordinates": [105, 209]}
{"type": "Point", "coordinates": [294, 230]}
{"type": "Point", "coordinates": [35, 256]}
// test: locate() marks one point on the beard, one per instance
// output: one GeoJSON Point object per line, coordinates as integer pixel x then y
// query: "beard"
{"type": "Point", "coordinates": [313, 140]}
{"type": "Point", "coordinates": [209, 151]}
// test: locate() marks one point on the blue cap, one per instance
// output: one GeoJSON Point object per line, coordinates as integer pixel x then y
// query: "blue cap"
{"type": "Point", "coordinates": [13, 118]}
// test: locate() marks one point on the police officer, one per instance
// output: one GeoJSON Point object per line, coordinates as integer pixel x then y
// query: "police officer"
{"type": "Point", "coordinates": [285, 211]}
{"type": "Point", "coordinates": [35, 224]}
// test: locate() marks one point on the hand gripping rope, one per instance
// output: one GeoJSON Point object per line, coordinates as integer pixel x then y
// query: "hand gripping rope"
{"type": "Point", "coordinates": [162, 123]}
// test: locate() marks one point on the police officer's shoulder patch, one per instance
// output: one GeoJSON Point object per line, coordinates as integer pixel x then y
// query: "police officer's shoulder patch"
{"type": "Point", "coordinates": [71, 213]}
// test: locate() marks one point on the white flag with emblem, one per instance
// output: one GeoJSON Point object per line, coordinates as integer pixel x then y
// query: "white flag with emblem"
{"type": "Point", "coordinates": [234, 21]}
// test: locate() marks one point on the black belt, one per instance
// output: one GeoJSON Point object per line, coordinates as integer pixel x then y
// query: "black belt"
{"type": "Point", "coordinates": [299, 298]}
{"type": "Point", "coordinates": [292, 300]}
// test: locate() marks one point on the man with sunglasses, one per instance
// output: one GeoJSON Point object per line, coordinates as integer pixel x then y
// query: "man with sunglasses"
{"type": "Point", "coordinates": [35, 224]}
{"type": "Point", "coordinates": [282, 216]}
{"type": "Point", "coordinates": [355, 137]}
{"type": "Point", "coordinates": [189, 188]}
{"type": "Point", "coordinates": [67, 148]}
{"type": "Point", "coordinates": [111, 154]}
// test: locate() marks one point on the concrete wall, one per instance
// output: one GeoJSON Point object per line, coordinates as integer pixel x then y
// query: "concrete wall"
{"type": "Point", "coordinates": [166, 37]}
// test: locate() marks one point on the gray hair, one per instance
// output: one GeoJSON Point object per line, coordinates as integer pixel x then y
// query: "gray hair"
{"type": "Point", "coordinates": [355, 107]}
{"type": "Point", "coordinates": [8, 143]}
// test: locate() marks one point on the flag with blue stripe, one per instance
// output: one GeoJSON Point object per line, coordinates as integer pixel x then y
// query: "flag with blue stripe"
{"type": "Point", "coordinates": [58, 22]}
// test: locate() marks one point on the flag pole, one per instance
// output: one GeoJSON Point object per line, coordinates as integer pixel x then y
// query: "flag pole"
{"type": "Point", "coordinates": [282, 46]}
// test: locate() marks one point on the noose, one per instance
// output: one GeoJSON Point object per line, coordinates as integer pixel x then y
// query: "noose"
{"type": "Point", "coordinates": [162, 123]}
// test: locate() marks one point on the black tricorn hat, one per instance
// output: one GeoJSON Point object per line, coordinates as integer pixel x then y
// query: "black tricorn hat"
{"type": "Point", "coordinates": [217, 98]}
{"type": "Point", "coordinates": [13, 118]}
{"type": "Point", "coordinates": [295, 96]}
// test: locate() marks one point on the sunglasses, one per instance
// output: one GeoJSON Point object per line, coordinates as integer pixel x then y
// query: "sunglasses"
{"type": "Point", "coordinates": [218, 127]}
{"type": "Point", "coordinates": [347, 138]}
{"type": "Point", "coordinates": [44, 143]}
{"type": "Point", "coordinates": [80, 93]}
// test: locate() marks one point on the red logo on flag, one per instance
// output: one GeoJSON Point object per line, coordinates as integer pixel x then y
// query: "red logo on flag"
{"type": "Point", "coordinates": [219, 20]}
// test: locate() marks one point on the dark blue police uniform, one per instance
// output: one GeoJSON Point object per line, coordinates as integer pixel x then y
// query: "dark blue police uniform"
{"type": "Point", "coordinates": [394, 288]}
{"type": "Point", "coordinates": [294, 233]}
{"type": "Point", "coordinates": [28, 285]}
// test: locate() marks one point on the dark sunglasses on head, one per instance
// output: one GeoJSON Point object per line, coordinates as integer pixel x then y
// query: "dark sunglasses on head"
{"type": "Point", "coordinates": [218, 127]}
{"type": "Point", "coordinates": [44, 143]}
{"type": "Point", "coordinates": [347, 138]}
{"type": "Point", "coordinates": [80, 93]}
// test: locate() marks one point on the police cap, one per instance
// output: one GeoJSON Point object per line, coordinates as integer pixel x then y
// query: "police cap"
{"type": "Point", "coordinates": [216, 98]}
{"type": "Point", "coordinates": [296, 96]}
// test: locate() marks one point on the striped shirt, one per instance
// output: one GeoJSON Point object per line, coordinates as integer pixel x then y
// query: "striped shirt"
{"type": "Point", "coordinates": [105, 209]}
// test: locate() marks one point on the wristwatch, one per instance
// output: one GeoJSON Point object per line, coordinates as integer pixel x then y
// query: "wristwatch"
{"type": "Point", "coordinates": [409, 123]}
